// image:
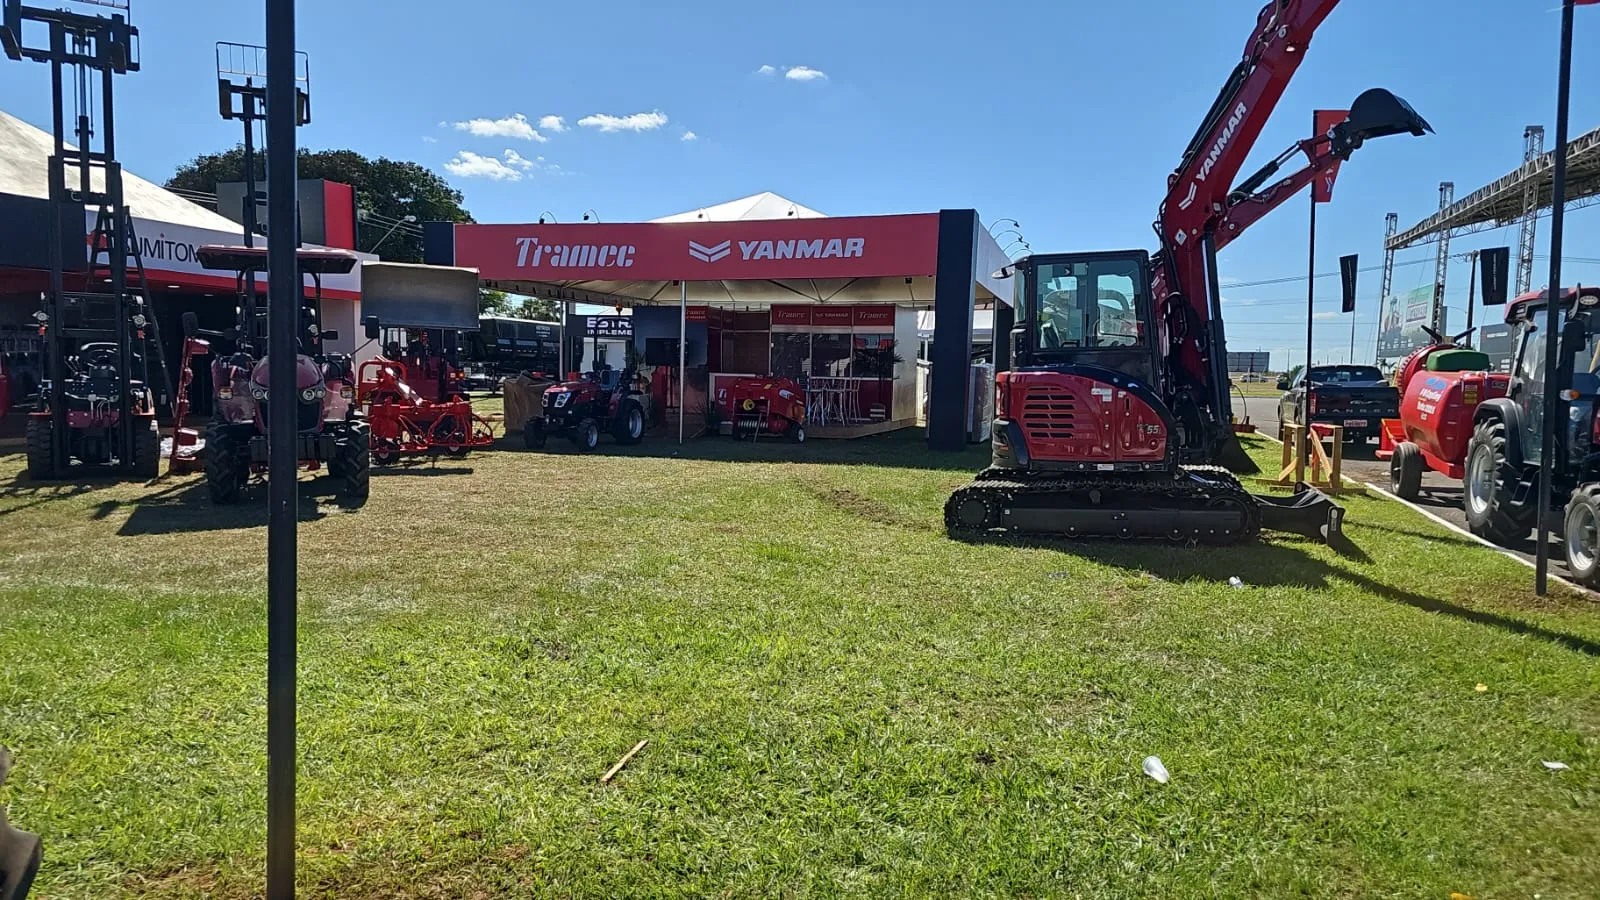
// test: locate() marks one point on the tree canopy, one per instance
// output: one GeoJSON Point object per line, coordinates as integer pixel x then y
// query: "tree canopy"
{"type": "Point", "coordinates": [389, 188]}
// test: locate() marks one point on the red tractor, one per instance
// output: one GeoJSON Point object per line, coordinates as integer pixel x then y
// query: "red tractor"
{"type": "Point", "coordinates": [331, 432]}
{"type": "Point", "coordinates": [775, 407]}
{"type": "Point", "coordinates": [405, 422]}
{"type": "Point", "coordinates": [582, 407]}
{"type": "Point", "coordinates": [1118, 399]}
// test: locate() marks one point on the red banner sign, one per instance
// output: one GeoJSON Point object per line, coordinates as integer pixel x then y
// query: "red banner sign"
{"type": "Point", "coordinates": [790, 314]}
{"type": "Point", "coordinates": [695, 314]}
{"type": "Point", "coordinates": [874, 317]}
{"type": "Point", "coordinates": [844, 247]}
{"type": "Point", "coordinates": [832, 316]}
{"type": "Point", "coordinates": [1322, 187]}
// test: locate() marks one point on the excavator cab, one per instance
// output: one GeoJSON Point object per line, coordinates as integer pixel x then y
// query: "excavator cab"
{"type": "Point", "coordinates": [1083, 393]}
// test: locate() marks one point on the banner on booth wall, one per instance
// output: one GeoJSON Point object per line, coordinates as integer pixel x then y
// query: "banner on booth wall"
{"type": "Point", "coordinates": [695, 314]}
{"type": "Point", "coordinates": [833, 317]}
{"type": "Point", "coordinates": [840, 247]}
{"type": "Point", "coordinates": [874, 317]}
{"type": "Point", "coordinates": [788, 315]}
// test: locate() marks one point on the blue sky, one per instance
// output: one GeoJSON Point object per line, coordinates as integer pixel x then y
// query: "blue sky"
{"type": "Point", "coordinates": [1066, 116]}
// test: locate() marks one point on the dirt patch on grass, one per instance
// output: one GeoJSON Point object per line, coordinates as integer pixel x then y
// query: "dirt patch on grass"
{"type": "Point", "coordinates": [852, 503]}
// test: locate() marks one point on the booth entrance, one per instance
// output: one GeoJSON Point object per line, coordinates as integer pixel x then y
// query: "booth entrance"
{"type": "Point", "coordinates": [828, 302]}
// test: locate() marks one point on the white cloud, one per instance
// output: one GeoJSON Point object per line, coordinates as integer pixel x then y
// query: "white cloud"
{"type": "Point", "coordinates": [513, 158]}
{"type": "Point", "coordinates": [805, 73]}
{"type": "Point", "coordinates": [553, 124]}
{"type": "Point", "coordinates": [429, 139]}
{"type": "Point", "coordinates": [512, 126]}
{"type": "Point", "coordinates": [467, 164]}
{"type": "Point", "coordinates": [767, 70]}
{"type": "Point", "coordinates": [1325, 315]}
{"type": "Point", "coordinates": [689, 136]}
{"type": "Point", "coordinates": [649, 121]}
{"type": "Point", "coordinates": [1229, 301]}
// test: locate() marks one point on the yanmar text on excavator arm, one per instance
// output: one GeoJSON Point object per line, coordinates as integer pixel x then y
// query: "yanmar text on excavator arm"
{"type": "Point", "coordinates": [1120, 363]}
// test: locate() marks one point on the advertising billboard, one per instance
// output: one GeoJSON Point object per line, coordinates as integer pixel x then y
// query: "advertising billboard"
{"type": "Point", "coordinates": [1495, 340]}
{"type": "Point", "coordinates": [1400, 322]}
{"type": "Point", "coordinates": [1251, 361]}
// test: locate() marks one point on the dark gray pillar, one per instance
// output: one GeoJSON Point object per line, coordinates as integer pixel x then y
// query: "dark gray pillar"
{"type": "Point", "coordinates": [439, 243]}
{"type": "Point", "coordinates": [951, 354]}
{"type": "Point", "coordinates": [1004, 319]}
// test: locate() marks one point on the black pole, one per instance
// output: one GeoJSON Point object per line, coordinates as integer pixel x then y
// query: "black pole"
{"type": "Point", "coordinates": [1311, 294]}
{"type": "Point", "coordinates": [248, 214]}
{"type": "Point", "coordinates": [1552, 343]}
{"type": "Point", "coordinates": [1472, 294]}
{"type": "Point", "coordinates": [284, 292]}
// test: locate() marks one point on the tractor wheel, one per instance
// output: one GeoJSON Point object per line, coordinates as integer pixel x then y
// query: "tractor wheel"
{"type": "Point", "coordinates": [628, 427]}
{"type": "Point", "coordinates": [1488, 486]}
{"type": "Point", "coordinates": [146, 449]}
{"type": "Point", "coordinates": [1581, 535]}
{"type": "Point", "coordinates": [1405, 471]}
{"type": "Point", "coordinates": [41, 449]}
{"type": "Point", "coordinates": [533, 436]}
{"type": "Point", "coordinates": [226, 471]}
{"type": "Point", "coordinates": [797, 433]}
{"type": "Point", "coordinates": [586, 435]}
{"type": "Point", "coordinates": [355, 462]}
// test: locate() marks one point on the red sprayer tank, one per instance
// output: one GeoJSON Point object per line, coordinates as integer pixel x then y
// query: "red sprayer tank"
{"type": "Point", "coordinates": [1440, 387]}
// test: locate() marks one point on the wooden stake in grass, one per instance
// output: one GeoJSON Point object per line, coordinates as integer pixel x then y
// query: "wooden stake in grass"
{"type": "Point", "coordinates": [611, 773]}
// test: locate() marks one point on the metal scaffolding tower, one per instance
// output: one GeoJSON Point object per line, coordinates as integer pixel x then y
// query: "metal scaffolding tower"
{"type": "Point", "coordinates": [1391, 224]}
{"type": "Point", "coordinates": [1441, 265]}
{"type": "Point", "coordinates": [1533, 148]}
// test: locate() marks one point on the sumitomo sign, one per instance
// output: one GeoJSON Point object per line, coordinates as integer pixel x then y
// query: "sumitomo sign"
{"type": "Point", "coordinates": [168, 250]}
{"type": "Point", "coordinates": [847, 247]}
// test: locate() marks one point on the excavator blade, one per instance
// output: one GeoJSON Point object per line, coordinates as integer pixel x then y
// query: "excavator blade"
{"type": "Point", "coordinates": [1230, 455]}
{"type": "Point", "coordinates": [1378, 113]}
{"type": "Point", "coordinates": [1307, 512]}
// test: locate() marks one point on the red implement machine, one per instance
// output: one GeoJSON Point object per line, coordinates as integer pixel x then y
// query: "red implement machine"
{"type": "Point", "coordinates": [1116, 411]}
{"type": "Point", "coordinates": [188, 446]}
{"type": "Point", "coordinates": [1440, 386]}
{"type": "Point", "coordinates": [764, 407]}
{"type": "Point", "coordinates": [406, 422]}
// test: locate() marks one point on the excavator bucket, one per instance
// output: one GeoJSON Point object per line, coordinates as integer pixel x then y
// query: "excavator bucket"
{"type": "Point", "coordinates": [1230, 455]}
{"type": "Point", "coordinates": [1378, 113]}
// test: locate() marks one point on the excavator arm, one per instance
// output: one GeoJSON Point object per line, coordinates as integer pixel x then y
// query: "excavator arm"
{"type": "Point", "coordinates": [1204, 210]}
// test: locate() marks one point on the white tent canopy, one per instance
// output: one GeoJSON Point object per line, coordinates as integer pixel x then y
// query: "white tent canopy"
{"type": "Point", "coordinates": [765, 205]}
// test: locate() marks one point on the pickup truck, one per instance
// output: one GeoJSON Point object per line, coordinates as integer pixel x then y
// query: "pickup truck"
{"type": "Point", "coordinates": [1356, 397]}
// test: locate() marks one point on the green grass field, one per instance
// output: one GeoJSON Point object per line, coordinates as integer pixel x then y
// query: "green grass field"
{"type": "Point", "coordinates": [840, 701]}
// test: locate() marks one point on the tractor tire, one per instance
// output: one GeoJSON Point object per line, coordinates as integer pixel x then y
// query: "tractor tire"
{"type": "Point", "coordinates": [628, 426]}
{"type": "Point", "coordinates": [797, 433]}
{"type": "Point", "coordinates": [41, 449]}
{"type": "Point", "coordinates": [147, 450]}
{"type": "Point", "coordinates": [226, 469]}
{"type": "Point", "coordinates": [1405, 471]}
{"type": "Point", "coordinates": [585, 435]}
{"type": "Point", "coordinates": [1581, 535]}
{"type": "Point", "coordinates": [533, 436]}
{"type": "Point", "coordinates": [355, 462]}
{"type": "Point", "coordinates": [1487, 488]}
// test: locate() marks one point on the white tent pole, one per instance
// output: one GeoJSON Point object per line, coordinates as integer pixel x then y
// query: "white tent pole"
{"type": "Point", "coordinates": [683, 352]}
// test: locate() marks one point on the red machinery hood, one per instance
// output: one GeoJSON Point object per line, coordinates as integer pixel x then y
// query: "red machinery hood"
{"type": "Point", "coordinates": [306, 373]}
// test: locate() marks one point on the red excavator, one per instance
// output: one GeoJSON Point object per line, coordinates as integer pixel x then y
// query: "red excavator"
{"type": "Point", "coordinates": [1116, 414]}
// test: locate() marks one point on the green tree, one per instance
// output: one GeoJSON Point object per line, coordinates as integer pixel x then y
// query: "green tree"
{"type": "Point", "coordinates": [1294, 372]}
{"type": "Point", "coordinates": [388, 188]}
{"type": "Point", "coordinates": [535, 308]}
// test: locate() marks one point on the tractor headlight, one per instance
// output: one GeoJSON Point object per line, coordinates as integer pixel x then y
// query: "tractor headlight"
{"type": "Point", "coordinates": [313, 394]}
{"type": "Point", "coordinates": [258, 392]}
{"type": "Point", "coordinates": [562, 398]}
{"type": "Point", "coordinates": [347, 393]}
{"type": "Point", "coordinates": [224, 393]}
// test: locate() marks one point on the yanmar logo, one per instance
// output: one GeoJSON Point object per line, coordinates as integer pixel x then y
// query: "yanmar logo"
{"type": "Point", "coordinates": [532, 255]}
{"type": "Point", "coordinates": [1228, 130]}
{"type": "Point", "coordinates": [710, 253]}
{"type": "Point", "coordinates": [820, 248]}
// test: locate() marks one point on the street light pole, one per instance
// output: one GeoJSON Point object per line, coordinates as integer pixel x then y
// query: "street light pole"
{"type": "Point", "coordinates": [407, 220]}
{"type": "Point", "coordinates": [1552, 345]}
{"type": "Point", "coordinates": [284, 290]}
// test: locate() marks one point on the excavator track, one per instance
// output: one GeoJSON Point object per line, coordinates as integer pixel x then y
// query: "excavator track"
{"type": "Point", "coordinates": [1202, 504]}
